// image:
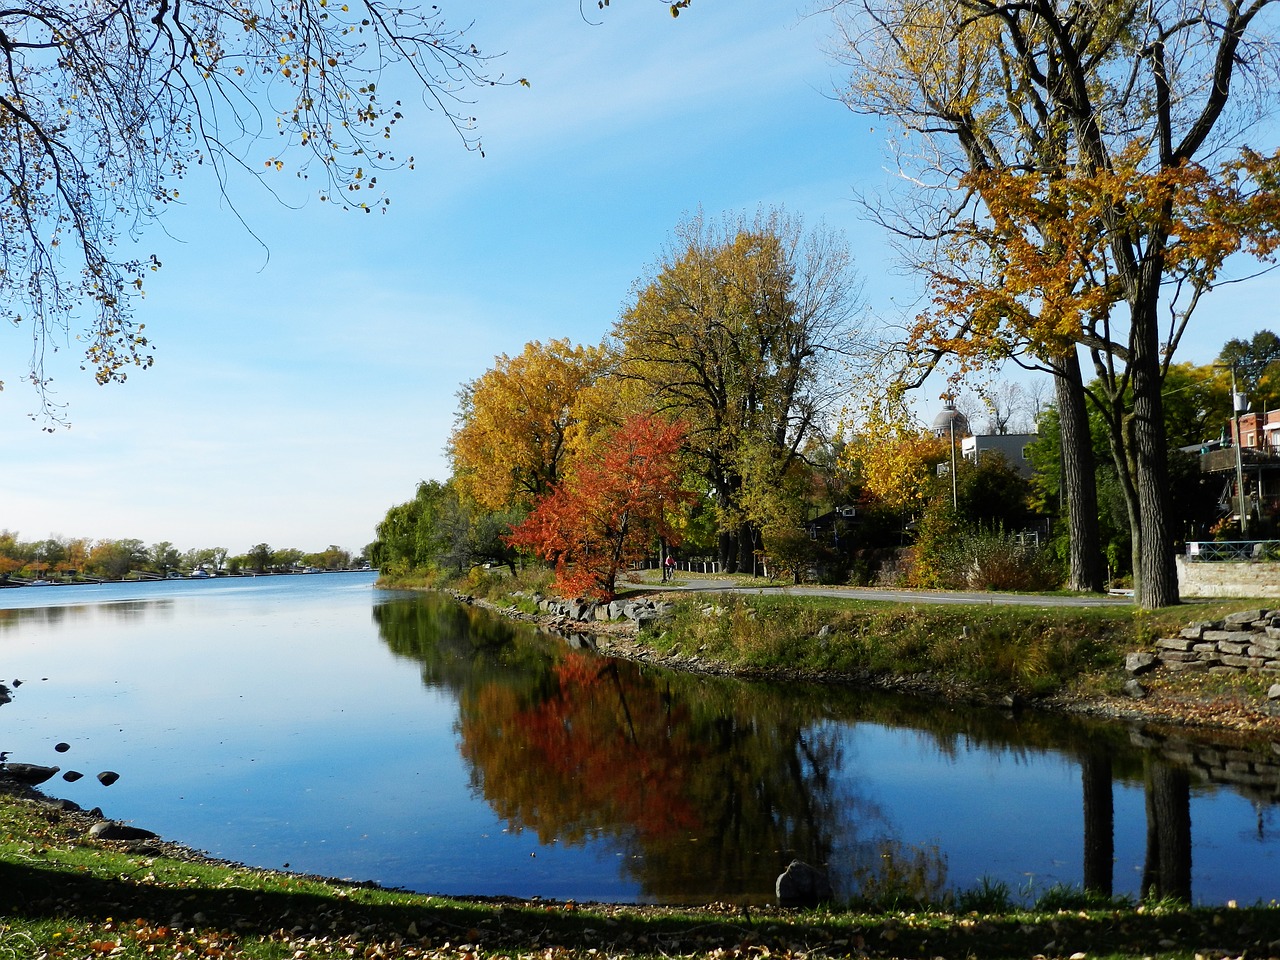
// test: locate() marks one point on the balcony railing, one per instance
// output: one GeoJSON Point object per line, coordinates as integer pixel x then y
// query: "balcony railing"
{"type": "Point", "coordinates": [1210, 551]}
{"type": "Point", "coordinates": [1223, 459]}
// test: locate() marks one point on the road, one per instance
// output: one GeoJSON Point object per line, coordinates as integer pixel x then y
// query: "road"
{"type": "Point", "coordinates": [694, 585]}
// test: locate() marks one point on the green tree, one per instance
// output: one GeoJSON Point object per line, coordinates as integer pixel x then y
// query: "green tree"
{"type": "Point", "coordinates": [439, 531]}
{"type": "Point", "coordinates": [260, 556]}
{"type": "Point", "coordinates": [1256, 362]}
{"type": "Point", "coordinates": [212, 559]}
{"type": "Point", "coordinates": [409, 536]}
{"type": "Point", "coordinates": [163, 557]}
{"type": "Point", "coordinates": [332, 558]}
{"type": "Point", "coordinates": [739, 333]}
{"type": "Point", "coordinates": [113, 559]}
{"type": "Point", "coordinates": [288, 558]}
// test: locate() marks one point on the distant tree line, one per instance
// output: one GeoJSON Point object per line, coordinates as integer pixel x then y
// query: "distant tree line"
{"type": "Point", "coordinates": [58, 558]}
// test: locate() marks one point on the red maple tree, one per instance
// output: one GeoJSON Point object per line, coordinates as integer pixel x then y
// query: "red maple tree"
{"type": "Point", "coordinates": [611, 510]}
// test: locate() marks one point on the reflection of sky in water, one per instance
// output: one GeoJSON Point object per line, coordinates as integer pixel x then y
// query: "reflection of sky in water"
{"type": "Point", "coordinates": [987, 809]}
{"type": "Point", "coordinates": [265, 721]}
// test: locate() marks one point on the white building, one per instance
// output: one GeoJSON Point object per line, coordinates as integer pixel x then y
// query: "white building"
{"type": "Point", "coordinates": [1014, 447]}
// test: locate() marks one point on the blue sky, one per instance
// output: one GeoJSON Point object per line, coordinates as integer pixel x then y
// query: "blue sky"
{"type": "Point", "coordinates": [305, 383]}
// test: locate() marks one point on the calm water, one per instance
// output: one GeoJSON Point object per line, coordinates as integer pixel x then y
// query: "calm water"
{"type": "Point", "coordinates": [317, 723]}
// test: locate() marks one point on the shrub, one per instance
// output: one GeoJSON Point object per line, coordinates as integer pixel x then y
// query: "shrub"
{"type": "Point", "coordinates": [963, 558]}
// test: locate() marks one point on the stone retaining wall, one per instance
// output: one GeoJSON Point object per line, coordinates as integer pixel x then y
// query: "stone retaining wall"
{"type": "Point", "coordinates": [1228, 579]}
{"type": "Point", "coordinates": [643, 612]}
{"type": "Point", "coordinates": [1247, 641]}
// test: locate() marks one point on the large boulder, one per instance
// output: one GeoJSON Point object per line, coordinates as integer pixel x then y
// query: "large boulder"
{"type": "Point", "coordinates": [114, 830]}
{"type": "Point", "coordinates": [27, 773]}
{"type": "Point", "coordinates": [1142, 662]}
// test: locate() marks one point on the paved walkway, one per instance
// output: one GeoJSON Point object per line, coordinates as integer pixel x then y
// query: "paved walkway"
{"type": "Point", "coordinates": [692, 584]}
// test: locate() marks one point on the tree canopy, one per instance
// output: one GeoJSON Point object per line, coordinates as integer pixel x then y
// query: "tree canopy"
{"type": "Point", "coordinates": [522, 420]}
{"type": "Point", "coordinates": [738, 331]}
{"type": "Point", "coordinates": [611, 510]}
{"type": "Point", "coordinates": [1256, 362]}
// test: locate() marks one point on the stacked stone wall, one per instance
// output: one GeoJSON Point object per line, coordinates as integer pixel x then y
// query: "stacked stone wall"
{"type": "Point", "coordinates": [1227, 578]}
{"type": "Point", "coordinates": [642, 612]}
{"type": "Point", "coordinates": [1247, 641]}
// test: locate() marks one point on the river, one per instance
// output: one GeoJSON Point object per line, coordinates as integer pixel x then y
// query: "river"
{"type": "Point", "coordinates": [319, 724]}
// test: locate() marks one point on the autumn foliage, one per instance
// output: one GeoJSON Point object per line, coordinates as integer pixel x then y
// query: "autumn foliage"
{"type": "Point", "coordinates": [524, 419]}
{"type": "Point", "coordinates": [611, 510]}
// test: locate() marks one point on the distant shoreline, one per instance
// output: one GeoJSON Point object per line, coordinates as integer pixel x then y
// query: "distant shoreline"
{"type": "Point", "coordinates": [9, 584]}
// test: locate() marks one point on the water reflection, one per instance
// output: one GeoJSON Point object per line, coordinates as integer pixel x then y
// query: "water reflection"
{"type": "Point", "coordinates": [277, 720]}
{"type": "Point", "coordinates": [711, 786]}
{"type": "Point", "coordinates": [706, 787]}
{"type": "Point", "coordinates": [120, 610]}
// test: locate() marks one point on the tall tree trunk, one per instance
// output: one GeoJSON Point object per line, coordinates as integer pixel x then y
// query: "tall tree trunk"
{"type": "Point", "coordinates": [746, 547]}
{"type": "Point", "coordinates": [1079, 479]}
{"type": "Point", "coordinates": [1120, 442]}
{"type": "Point", "coordinates": [727, 553]}
{"type": "Point", "coordinates": [1099, 822]}
{"type": "Point", "coordinates": [1155, 568]}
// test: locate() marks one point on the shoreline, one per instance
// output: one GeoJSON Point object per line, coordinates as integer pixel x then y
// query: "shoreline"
{"type": "Point", "coordinates": [1160, 706]}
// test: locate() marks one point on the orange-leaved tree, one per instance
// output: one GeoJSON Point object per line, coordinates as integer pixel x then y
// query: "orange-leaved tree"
{"type": "Point", "coordinates": [615, 506]}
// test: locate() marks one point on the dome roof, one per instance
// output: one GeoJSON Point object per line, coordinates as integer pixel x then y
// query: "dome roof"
{"type": "Point", "coordinates": [950, 418]}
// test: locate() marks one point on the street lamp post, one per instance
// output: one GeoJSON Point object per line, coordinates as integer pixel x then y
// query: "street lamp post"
{"type": "Point", "coordinates": [1237, 404]}
{"type": "Point", "coordinates": [955, 497]}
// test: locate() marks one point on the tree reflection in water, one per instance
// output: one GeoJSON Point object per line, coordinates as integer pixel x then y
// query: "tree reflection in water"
{"type": "Point", "coordinates": [706, 786]}
{"type": "Point", "coordinates": [709, 787]}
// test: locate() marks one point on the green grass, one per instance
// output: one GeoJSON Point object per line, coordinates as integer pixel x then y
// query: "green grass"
{"type": "Point", "coordinates": [63, 896]}
{"type": "Point", "coordinates": [992, 648]}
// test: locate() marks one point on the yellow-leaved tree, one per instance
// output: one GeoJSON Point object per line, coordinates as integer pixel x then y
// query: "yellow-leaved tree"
{"type": "Point", "coordinates": [738, 331]}
{"type": "Point", "coordinates": [519, 423]}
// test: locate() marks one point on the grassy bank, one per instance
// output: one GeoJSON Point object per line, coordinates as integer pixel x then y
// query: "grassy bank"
{"type": "Point", "coordinates": [63, 895]}
{"type": "Point", "coordinates": [983, 651]}
{"type": "Point", "coordinates": [990, 648]}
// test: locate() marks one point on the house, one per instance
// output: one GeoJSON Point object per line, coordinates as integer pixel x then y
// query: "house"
{"type": "Point", "coordinates": [1249, 453]}
{"type": "Point", "coordinates": [1258, 431]}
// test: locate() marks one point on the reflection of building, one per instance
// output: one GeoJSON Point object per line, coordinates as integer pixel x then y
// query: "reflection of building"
{"type": "Point", "coordinates": [1254, 451]}
{"type": "Point", "coordinates": [1011, 446]}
